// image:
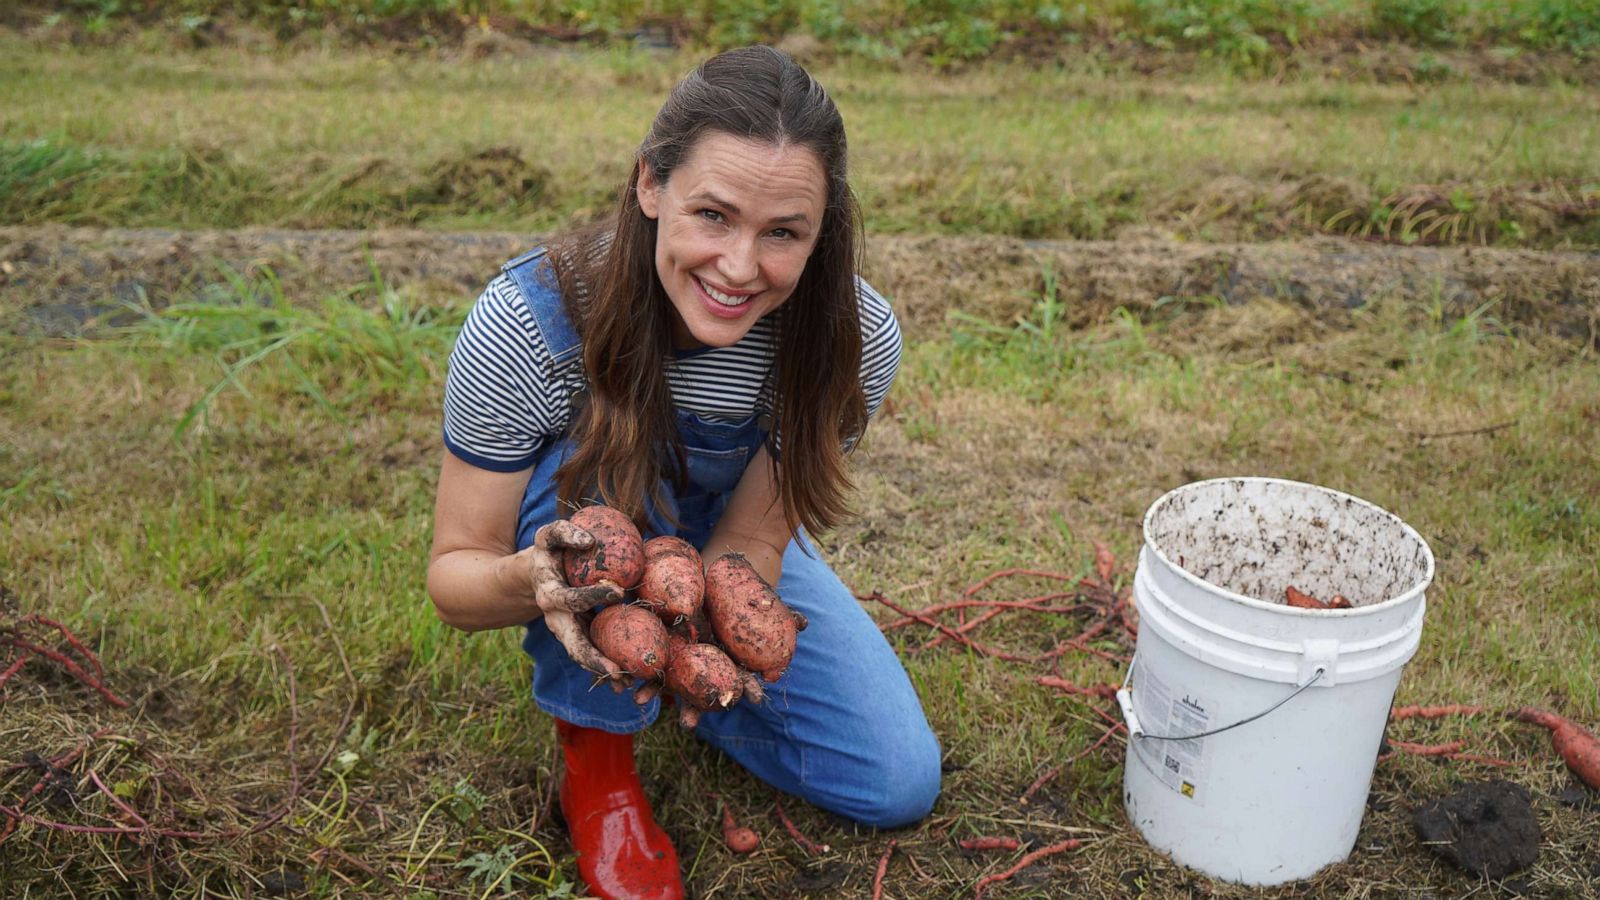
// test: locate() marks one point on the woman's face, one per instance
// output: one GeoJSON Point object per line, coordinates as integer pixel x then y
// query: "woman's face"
{"type": "Point", "coordinates": [737, 221]}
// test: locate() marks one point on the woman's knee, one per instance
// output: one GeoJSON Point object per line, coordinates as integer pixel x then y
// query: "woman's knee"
{"type": "Point", "coordinates": [904, 777]}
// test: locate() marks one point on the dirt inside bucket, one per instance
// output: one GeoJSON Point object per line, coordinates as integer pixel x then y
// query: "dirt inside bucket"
{"type": "Point", "coordinates": [1263, 538]}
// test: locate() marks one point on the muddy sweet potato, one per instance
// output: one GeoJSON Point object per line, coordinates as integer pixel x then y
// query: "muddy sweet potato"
{"type": "Point", "coordinates": [756, 628]}
{"type": "Point", "coordinates": [617, 556]}
{"type": "Point", "coordinates": [703, 678]}
{"type": "Point", "coordinates": [674, 578]}
{"type": "Point", "coordinates": [633, 638]}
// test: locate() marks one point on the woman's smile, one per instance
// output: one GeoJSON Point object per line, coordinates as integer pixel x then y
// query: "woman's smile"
{"type": "Point", "coordinates": [736, 224]}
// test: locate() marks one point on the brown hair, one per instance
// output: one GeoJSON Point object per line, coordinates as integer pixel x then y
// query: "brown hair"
{"type": "Point", "coordinates": [625, 436]}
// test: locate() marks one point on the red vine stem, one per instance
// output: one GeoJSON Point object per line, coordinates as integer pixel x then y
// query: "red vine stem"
{"type": "Point", "coordinates": [1026, 861]}
{"type": "Point", "coordinates": [1103, 691]}
{"type": "Point", "coordinates": [1029, 604]}
{"type": "Point", "coordinates": [1007, 573]}
{"type": "Point", "coordinates": [16, 813]}
{"type": "Point", "coordinates": [1042, 780]}
{"type": "Point", "coordinates": [66, 663]}
{"type": "Point", "coordinates": [1427, 749]}
{"type": "Point", "coordinates": [1434, 712]}
{"type": "Point", "coordinates": [989, 843]}
{"type": "Point", "coordinates": [15, 667]}
{"type": "Point", "coordinates": [802, 840]}
{"type": "Point", "coordinates": [883, 869]}
{"type": "Point", "coordinates": [71, 639]}
{"type": "Point", "coordinates": [1038, 783]}
{"type": "Point", "coordinates": [65, 759]}
{"type": "Point", "coordinates": [117, 801]}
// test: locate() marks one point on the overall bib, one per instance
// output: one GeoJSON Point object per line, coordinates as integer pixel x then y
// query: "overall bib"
{"type": "Point", "coordinates": [842, 728]}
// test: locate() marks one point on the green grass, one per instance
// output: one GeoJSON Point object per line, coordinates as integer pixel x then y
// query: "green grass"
{"type": "Point", "coordinates": [361, 139]}
{"type": "Point", "coordinates": [1241, 31]}
{"type": "Point", "coordinates": [216, 528]}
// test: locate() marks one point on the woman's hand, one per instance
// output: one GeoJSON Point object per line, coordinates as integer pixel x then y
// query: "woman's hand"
{"type": "Point", "coordinates": [478, 579]}
{"type": "Point", "coordinates": [561, 604]}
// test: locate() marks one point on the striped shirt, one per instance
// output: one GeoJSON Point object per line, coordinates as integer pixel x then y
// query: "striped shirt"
{"type": "Point", "coordinates": [505, 398]}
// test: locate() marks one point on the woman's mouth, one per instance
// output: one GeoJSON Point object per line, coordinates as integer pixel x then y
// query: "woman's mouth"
{"type": "Point", "coordinates": [722, 303]}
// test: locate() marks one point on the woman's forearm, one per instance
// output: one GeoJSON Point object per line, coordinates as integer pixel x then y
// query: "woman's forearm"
{"type": "Point", "coordinates": [476, 590]}
{"type": "Point", "coordinates": [753, 523]}
{"type": "Point", "coordinates": [766, 559]}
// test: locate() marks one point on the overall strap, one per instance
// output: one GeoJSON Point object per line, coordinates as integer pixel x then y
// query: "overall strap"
{"type": "Point", "coordinates": [536, 281]}
{"type": "Point", "coordinates": [534, 278]}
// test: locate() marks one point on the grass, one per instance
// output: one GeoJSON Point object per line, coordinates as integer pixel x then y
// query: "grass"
{"type": "Point", "coordinates": [360, 139]}
{"type": "Point", "coordinates": [244, 545]}
{"type": "Point", "coordinates": [1244, 32]}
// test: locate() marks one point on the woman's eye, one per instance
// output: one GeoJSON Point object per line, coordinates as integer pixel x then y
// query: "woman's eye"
{"type": "Point", "coordinates": [783, 234]}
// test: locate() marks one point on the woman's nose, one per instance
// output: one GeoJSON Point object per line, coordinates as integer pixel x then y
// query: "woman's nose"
{"type": "Point", "coordinates": [739, 263]}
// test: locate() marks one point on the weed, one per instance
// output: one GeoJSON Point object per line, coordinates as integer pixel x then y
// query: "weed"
{"type": "Point", "coordinates": [1424, 22]}
{"type": "Point", "coordinates": [378, 342]}
{"type": "Point", "coordinates": [1244, 34]}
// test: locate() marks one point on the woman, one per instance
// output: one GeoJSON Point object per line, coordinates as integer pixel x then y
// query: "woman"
{"type": "Point", "coordinates": [703, 361]}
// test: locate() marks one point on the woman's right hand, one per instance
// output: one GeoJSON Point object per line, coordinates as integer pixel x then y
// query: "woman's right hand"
{"type": "Point", "coordinates": [562, 605]}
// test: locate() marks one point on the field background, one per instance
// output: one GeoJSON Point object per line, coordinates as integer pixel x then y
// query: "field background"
{"type": "Point", "coordinates": [1134, 243]}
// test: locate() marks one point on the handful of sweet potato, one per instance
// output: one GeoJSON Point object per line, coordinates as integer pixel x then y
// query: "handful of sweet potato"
{"type": "Point", "coordinates": [703, 632]}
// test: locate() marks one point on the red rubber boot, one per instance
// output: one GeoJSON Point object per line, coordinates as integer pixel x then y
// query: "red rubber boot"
{"type": "Point", "coordinates": [622, 853]}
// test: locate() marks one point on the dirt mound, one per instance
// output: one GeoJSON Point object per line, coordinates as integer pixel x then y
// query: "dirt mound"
{"type": "Point", "coordinates": [61, 279]}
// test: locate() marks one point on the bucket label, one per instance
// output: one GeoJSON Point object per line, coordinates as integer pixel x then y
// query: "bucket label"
{"type": "Point", "coordinates": [1180, 764]}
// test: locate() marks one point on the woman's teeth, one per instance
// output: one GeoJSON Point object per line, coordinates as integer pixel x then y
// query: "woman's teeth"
{"type": "Point", "coordinates": [720, 297]}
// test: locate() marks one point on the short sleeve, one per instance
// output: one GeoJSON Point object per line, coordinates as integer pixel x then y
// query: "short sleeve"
{"type": "Point", "coordinates": [502, 401]}
{"type": "Point", "coordinates": [880, 347]}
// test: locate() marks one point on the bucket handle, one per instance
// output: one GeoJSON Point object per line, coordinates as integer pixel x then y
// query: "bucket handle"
{"type": "Point", "coordinates": [1135, 730]}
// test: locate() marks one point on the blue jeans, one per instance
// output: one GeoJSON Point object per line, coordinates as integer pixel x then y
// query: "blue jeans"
{"type": "Point", "coordinates": [842, 728]}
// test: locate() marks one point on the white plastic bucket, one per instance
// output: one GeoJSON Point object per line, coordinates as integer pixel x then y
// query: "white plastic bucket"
{"type": "Point", "coordinates": [1292, 702]}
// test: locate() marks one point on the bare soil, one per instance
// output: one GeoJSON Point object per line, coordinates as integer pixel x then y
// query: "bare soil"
{"type": "Point", "coordinates": [65, 280]}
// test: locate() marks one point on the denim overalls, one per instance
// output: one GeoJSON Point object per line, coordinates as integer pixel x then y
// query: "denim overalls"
{"type": "Point", "coordinates": [843, 727]}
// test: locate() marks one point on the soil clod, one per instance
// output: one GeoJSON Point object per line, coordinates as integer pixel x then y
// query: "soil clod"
{"type": "Point", "coordinates": [1486, 828]}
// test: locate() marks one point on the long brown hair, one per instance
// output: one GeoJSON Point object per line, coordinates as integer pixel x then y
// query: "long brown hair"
{"type": "Point", "coordinates": [625, 436]}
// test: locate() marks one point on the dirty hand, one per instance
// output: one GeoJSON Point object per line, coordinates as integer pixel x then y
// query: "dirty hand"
{"type": "Point", "coordinates": [562, 605]}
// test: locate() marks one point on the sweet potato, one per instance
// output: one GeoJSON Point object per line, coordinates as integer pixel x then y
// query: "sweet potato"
{"type": "Point", "coordinates": [738, 838]}
{"type": "Point", "coordinates": [756, 628]}
{"type": "Point", "coordinates": [702, 678]}
{"type": "Point", "coordinates": [617, 556]}
{"type": "Point", "coordinates": [674, 578]}
{"type": "Point", "coordinates": [1578, 748]}
{"type": "Point", "coordinates": [1301, 600]}
{"type": "Point", "coordinates": [633, 638]}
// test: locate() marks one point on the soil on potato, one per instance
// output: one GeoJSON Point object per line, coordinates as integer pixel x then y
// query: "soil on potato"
{"type": "Point", "coordinates": [64, 280]}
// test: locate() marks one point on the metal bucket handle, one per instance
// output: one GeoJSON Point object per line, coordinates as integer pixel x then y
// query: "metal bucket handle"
{"type": "Point", "coordinates": [1135, 730]}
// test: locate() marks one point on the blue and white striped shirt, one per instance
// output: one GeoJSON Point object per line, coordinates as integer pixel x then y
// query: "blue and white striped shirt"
{"type": "Point", "coordinates": [504, 399]}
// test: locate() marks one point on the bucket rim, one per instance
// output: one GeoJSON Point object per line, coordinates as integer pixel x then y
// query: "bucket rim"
{"type": "Point", "coordinates": [1405, 596]}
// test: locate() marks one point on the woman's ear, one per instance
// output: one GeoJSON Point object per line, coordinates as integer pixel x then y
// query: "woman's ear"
{"type": "Point", "coordinates": [648, 192]}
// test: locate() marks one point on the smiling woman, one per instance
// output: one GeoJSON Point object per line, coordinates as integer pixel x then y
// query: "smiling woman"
{"type": "Point", "coordinates": [703, 360]}
{"type": "Point", "coordinates": [737, 222]}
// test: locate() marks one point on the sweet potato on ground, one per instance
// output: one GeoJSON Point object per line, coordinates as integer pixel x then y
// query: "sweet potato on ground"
{"type": "Point", "coordinates": [738, 838]}
{"type": "Point", "coordinates": [1578, 748]}
{"type": "Point", "coordinates": [750, 621]}
{"type": "Point", "coordinates": [617, 556]}
{"type": "Point", "coordinates": [674, 578]}
{"type": "Point", "coordinates": [633, 638]}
